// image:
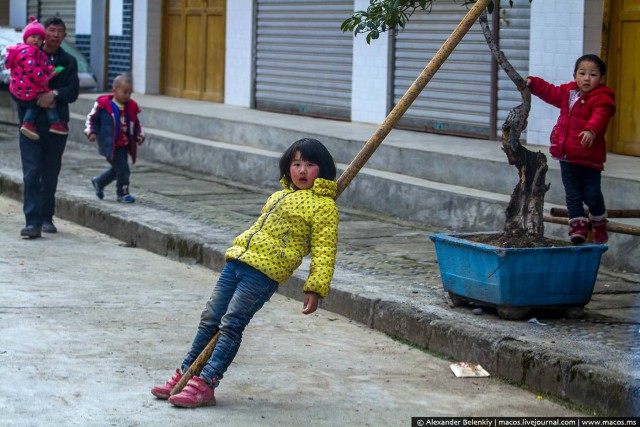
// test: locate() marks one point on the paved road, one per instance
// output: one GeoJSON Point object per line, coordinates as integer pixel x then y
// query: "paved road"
{"type": "Point", "coordinates": [88, 325]}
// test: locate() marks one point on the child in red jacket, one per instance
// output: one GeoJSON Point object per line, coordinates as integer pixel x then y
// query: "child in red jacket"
{"type": "Point", "coordinates": [113, 122]}
{"type": "Point", "coordinates": [577, 140]}
{"type": "Point", "coordinates": [30, 74]}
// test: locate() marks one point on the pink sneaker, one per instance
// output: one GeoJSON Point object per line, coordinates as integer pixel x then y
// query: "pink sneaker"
{"type": "Point", "coordinates": [59, 128]}
{"type": "Point", "coordinates": [164, 391]}
{"type": "Point", "coordinates": [196, 393]}
{"type": "Point", "coordinates": [579, 230]}
{"type": "Point", "coordinates": [29, 130]}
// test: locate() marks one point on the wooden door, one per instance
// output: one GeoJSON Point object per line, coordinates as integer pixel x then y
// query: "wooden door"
{"type": "Point", "coordinates": [193, 49]}
{"type": "Point", "coordinates": [623, 76]}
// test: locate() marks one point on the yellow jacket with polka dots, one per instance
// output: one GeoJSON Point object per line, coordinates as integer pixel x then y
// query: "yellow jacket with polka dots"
{"type": "Point", "coordinates": [293, 224]}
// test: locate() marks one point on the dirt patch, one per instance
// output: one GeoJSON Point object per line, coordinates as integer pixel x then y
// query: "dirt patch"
{"type": "Point", "coordinates": [503, 241]}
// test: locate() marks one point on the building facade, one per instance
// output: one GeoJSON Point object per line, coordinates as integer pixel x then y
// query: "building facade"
{"type": "Point", "coordinates": [291, 57]}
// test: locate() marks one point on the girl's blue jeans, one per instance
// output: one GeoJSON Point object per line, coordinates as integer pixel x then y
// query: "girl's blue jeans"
{"type": "Point", "coordinates": [240, 292]}
{"type": "Point", "coordinates": [582, 185]}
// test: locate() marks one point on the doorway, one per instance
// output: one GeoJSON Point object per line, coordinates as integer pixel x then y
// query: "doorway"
{"type": "Point", "coordinates": [193, 49]}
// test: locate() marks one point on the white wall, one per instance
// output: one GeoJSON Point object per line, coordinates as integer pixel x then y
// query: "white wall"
{"type": "Point", "coordinates": [83, 17]}
{"type": "Point", "coordinates": [18, 13]}
{"type": "Point", "coordinates": [369, 84]}
{"type": "Point", "coordinates": [238, 73]}
{"type": "Point", "coordinates": [147, 17]}
{"type": "Point", "coordinates": [116, 10]}
{"type": "Point", "coordinates": [557, 40]}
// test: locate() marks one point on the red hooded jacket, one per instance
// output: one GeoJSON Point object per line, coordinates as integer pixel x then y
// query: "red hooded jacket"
{"type": "Point", "coordinates": [591, 111]}
{"type": "Point", "coordinates": [103, 120]}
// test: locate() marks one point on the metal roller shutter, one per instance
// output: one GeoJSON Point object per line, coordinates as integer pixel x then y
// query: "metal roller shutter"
{"type": "Point", "coordinates": [66, 9]}
{"type": "Point", "coordinates": [514, 42]}
{"type": "Point", "coordinates": [457, 100]}
{"type": "Point", "coordinates": [303, 59]}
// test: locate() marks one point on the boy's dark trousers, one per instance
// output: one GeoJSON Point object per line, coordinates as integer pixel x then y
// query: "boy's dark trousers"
{"type": "Point", "coordinates": [582, 184]}
{"type": "Point", "coordinates": [119, 171]}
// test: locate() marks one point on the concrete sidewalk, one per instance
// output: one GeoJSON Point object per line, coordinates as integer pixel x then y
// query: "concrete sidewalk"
{"type": "Point", "coordinates": [387, 277]}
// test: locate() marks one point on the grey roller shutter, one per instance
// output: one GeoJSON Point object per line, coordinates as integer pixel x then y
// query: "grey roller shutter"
{"type": "Point", "coordinates": [514, 42]}
{"type": "Point", "coordinates": [303, 59]}
{"type": "Point", "coordinates": [457, 100]}
{"type": "Point", "coordinates": [66, 9]}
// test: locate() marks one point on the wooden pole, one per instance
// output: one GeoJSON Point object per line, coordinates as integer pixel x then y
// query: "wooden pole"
{"type": "Point", "coordinates": [374, 142]}
{"type": "Point", "coordinates": [611, 213]}
{"type": "Point", "coordinates": [412, 93]}
{"type": "Point", "coordinates": [196, 366]}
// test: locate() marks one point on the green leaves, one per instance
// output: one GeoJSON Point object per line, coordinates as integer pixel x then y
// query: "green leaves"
{"type": "Point", "coordinates": [385, 15]}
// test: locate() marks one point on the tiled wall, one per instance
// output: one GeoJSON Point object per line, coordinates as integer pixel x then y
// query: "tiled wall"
{"type": "Point", "coordinates": [83, 43]}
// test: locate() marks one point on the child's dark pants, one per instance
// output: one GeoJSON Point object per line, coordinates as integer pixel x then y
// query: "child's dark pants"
{"type": "Point", "coordinates": [119, 171]}
{"type": "Point", "coordinates": [582, 184]}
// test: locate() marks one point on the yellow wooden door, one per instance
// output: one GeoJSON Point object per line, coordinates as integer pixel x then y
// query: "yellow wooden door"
{"type": "Point", "coordinates": [193, 49]}
{"type": "Point", "coordinates": [623, 76]}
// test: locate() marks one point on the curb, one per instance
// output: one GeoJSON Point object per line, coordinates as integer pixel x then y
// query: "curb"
{"type": "Point", "coordinates": [605, 391]}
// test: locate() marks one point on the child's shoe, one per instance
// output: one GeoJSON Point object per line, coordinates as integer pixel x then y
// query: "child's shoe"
{"type": "Point", "coordinates": [599, 226]}
{"type": "Point", "coordinates": [29, 130]}
{"type": "Point", "coordinates": [96, 187]}
{"type": "Point", "coordinates": [59, 128]}
{"type": "Point", "coordinates": [579, 230]}
{"type": "Point", "coordinates": [164, 391]}
{"type": "Point", "coordinates": [196, 393]}
{"type": "Point", "coordinates": [126, 198]}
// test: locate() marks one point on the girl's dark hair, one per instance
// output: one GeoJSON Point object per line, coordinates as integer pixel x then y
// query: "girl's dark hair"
{"type": "Point", "coordinates": [592, 58]}
{"type": "Point", "coordinates": [311, 150]}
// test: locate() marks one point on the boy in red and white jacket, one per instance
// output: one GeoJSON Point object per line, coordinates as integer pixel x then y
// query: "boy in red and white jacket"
{"type": "Point", "coordinates": [113, 122]}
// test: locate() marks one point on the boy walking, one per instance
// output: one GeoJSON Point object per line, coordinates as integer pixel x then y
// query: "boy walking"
{"type": "Point", "coordinates": [113, 122]}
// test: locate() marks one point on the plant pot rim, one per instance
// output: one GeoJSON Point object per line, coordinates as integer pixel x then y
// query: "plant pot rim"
{"type": "Point", "coordinates": [459, 238]}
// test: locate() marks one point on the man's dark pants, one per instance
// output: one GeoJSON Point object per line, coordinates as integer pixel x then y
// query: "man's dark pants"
{"type": "Point", "coordinates": [41, 163]}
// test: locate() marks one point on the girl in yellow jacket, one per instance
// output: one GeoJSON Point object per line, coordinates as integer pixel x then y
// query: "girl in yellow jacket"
{"type": "Point", "coordinates": [301, 218]}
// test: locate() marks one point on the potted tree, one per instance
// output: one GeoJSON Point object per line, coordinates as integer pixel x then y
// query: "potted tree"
{"type": "Point", "coordinates": [516, 269]}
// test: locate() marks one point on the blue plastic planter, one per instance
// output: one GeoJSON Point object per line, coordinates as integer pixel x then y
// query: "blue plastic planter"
{"type": "Point", "coordinates": [517, 279]}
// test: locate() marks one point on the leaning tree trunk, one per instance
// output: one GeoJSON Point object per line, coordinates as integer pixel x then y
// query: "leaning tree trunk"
{"type": "Point", "coordinates": [524, 215]}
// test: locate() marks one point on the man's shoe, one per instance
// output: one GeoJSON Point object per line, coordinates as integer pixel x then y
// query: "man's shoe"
{"type": "Point", "coordinates": [31, 231]}
{"type": "Point", "coordinates": [48, 227]}
{"type": "Point", "coordinates": [59, 128]}
{"type": "Point", "coordinates": [164, 391]}
{"type": "Point", "coordinates": [29, 130]}
{"type": "Point", "coordinates": [96, 187]}
{"type": "Point", "coordinates": [196, 393]}
{"type": "Point", "coordinates": [126, 198]}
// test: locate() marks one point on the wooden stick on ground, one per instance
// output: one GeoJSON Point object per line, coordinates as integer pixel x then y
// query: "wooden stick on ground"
{"type": "Point", "coordinates": [374, 142]}
{"type": "Point", "coordinates": [197, 365]}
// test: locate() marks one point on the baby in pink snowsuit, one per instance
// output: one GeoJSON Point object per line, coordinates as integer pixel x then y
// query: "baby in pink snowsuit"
{"type": "Point", "coordinates": [30, 73]}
